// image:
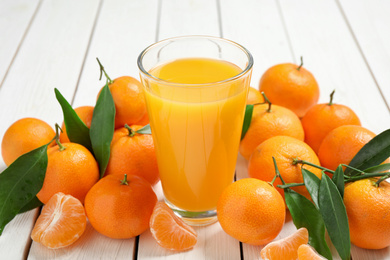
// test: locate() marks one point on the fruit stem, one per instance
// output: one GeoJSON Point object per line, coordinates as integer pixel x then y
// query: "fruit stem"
{"type": "Point", "coordinates": [57, 137]}
{"type": "Point", "coordinates": [267, 101]}
{"type": "Point", "coordinates": [368, 175]}
{"type": "Point", "coordinates": [331, 98]}
{"type": "Point", "coordinates": [124, 181]}
{"type": "Point", "coordinates": [103, 71]}
{"type": "Point", "coordinates": [352, 168]}
{"type": "Point", "coordinates": [285, 186]}
{"type": "Point", "coordinates": [381, 179]}
{"type": "Point", "coordinates": [277, 173]}
{"type": "Point", "coordinates": [131, 131]}
{"type": "Point", "coordinates": [300, 66]}
{"type": "Point", "coordinates": [296, 161]}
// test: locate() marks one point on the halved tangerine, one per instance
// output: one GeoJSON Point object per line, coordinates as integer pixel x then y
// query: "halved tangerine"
{"type": "Point", "coordinates": [306, 252]}
{"type": "Point", "coordinates": [169, 230]}
{"type": "Point", "coordinates": [286, 248]}
{"type": "Point", "coordinates": [61, 223]}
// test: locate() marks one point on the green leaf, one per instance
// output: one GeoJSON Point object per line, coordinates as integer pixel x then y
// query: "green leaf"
{"type": "Point", "coordinates": [376, 151]}
{"type": "Point", "coordinates": [247, 119]}
{"type": "Point", "coordinates": [144, 130]}
{"type": "Point", "coordinates": [338, 179]}
{"type": "Point", "coordinates": [102, 128]}
{"type": "Point", "coordinates": [32, 204]}
{"type": "Point", "coordinates": [378, 168]}
{"type": "Point", "coordinates": [305, 214]}
{"type": "Point", "coordinates": [335, 216]}
{"type": "Point", "coordinates": [312, 183]}
{"type": "Point", "coordinates": [77, 131]}
{"type": "Point", "coordinates": [21, 182]}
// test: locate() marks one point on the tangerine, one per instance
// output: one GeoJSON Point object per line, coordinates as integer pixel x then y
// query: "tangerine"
{"type": "Point", "coordinates": [23, 136]}
{"type": "Point", "coordinates": [306, 252]}
{"type": "Point", "coordinates": [254, 96]}
{"type": "Point", "coordinates": [71, 169]}
{"type": "Point", "coordinates": [120, 205]}
{"type": "Point", "coordinates": [368, 208]}
{"type": "Point", "coordinates": [251, 211]}
{"type": "Point", "coordinates": [342, 144]}
{"type": "Point", "coordinates": [133, 153]}
{"type": "Point", "coordinates": [268, 121]}
{"type": "Point", "coordinates": [61, 222]}
{"type": "Point", "coordinates": [286, 248]}
{"type": "Point", "coordinates": [169, 230]}
{"type": "Point", "coordinates": [85, 113]}
{"type": "Point", "coordinates": [291, 86]}
{"type": "Point", "coordinates": [286, 151]}
{"type": "Point", "coordinates": [323, 118]}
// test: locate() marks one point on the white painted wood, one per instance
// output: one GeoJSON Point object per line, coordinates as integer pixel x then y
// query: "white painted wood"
{"type": "Point", "coordinates": [319, 33]}
{"type": "Point", "coordinates": [123, 30]}
{"type": "Point", "coordinates": [91, 245]}
{"type": "Point", "coordinates": [190, 17]}
{"type": "Point", "coordinates": [257, 25]}
{"type": "Point", "coordinates": [358, 253]}
{"type": "Point", "coordinates": [50, 56]}
{"type": "Point", "coordinates": [370, 23]}
{"type": "Point", "coordinates": [15, 17]}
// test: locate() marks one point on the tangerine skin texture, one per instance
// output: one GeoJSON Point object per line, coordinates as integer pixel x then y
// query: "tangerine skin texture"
{"type": "Point", "coordinates": [133, 155]}
{"type": "Point", "coordinates": [323, 118]}
{"type": "Point", "coordinates": [254, 96]}
{"type": "Point", "coordinates": [23, 136]}
{"type": "Point", "coordinates": [286, 86]}
{"type": "Point", "coordinates": [129, 100]}
{"type": "Point", "coordinates": [285, 149]}
{"type": "Point", "coordinates": [342, 144]}
{"type": "Point", "coordinates": [120, 211]}
{"type": "Point", "coordinates": [252, 211]}
{"type": "Point", "coordinates": [264, 125]}
{"type": "Point", "coordinates": [368, 210]}
{"type": "Point", "coordinates": [72, 171]}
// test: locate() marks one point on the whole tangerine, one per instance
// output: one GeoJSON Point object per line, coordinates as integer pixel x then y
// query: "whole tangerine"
{"type": "Point", "coordinates": [254, 96]}
{"type": "Point", "coordinates": [120, 206]}
{"type": "Point", "coordinates": [368, 208]}
{"type": "Point", "coordinates": [85, 113]}
{"type": "Point", "coordinates": [133, 153]}
{"type": "Point", "coordinates": [291, 86]}
{"type": "Point", "coordinates": [286, 150]}
{"type": "Point", "coordinates": [268, 121]}
{"type": "Point", "coordinates": [71, 169]}
{"type": "Point", "coordinates": [23, 136]}
{"type": "Point", "coordinates": [323, 118]}
{"type": "Point", "coordinates": [252, 211]}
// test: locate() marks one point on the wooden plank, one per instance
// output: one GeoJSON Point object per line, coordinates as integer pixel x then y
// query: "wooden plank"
{"type": "Point", "coordinates": [257, 26]}
{"type": "Point", "coordinates": [15, 18]}
{"type": "Point", "coordinates": [370, 24]}
{"type": "Point", "coordinates": [191, 18]}
{"type": "Point", "coordinates": [117, 46]}
{"type": "Point", "coordinates": [322, 37]}
{"type": "Point", "coordinates": [51, 56]}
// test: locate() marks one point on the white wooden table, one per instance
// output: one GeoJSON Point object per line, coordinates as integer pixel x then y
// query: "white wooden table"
{"type": "Point", "coordinates": [53, 43]}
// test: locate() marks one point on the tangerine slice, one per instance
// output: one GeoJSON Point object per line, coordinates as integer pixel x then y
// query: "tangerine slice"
{"type": "Point", "coordinates": [309, 253]}
{"type": "Point", "coordinates": [169, 230]}
{"type": "Point", "coordinates": [286, 248]}
{"type": "Point", "coordinates": [61, 223]}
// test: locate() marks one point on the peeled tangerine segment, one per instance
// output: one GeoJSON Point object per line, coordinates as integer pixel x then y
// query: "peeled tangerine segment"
{"type": "Point", "coordinates": [286, 248]}
{"type": "Point", "coordinates": [169, 230]}
{"type": "Point", "coordinates": [306, 252]}
{"type": "Point", "coordinates": [61, 223]}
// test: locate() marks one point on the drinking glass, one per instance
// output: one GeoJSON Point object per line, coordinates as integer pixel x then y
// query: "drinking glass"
{"type": "Point", "coordinates": [196, 125]}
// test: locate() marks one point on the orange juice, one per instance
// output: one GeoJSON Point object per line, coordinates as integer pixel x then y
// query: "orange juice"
{"type": "Point", "coordinates": [196, 117]}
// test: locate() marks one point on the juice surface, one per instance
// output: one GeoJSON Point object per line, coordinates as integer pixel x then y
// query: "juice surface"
{"type": "Point", "coordinates": [196, 129]}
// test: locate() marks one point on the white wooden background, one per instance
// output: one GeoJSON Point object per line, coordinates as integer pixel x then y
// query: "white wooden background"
{"type": "Point", "coordinates": [53, 43]}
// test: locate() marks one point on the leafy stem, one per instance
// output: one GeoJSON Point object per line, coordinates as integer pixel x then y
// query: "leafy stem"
{"type": "Point", "coordinates": [303, 162]}
{"type": "Point", "coordinates": [102, 70]}
{"type": "Point", "coordinates": [289, 185]}
{"type": "Point", "coordinates": [382, 179]}
{"type": "Point", "coordinates": [267, 102]}
{"type": "Point", "coordinates": [57, 137]}
{"type": "Point", "coordinates": [131, 131]}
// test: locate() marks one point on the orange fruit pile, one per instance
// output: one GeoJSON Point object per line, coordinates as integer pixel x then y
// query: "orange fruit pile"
{"type": "Point", "coordinates": [252, 211]}
{"type": "Point", "coordinates": [61, 223]}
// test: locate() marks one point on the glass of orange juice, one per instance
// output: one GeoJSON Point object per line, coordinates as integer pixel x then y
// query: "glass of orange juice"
{"type": "Point", "coordinates": [195, 89]}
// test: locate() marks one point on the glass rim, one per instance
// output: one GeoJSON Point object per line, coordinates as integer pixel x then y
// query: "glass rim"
{"type": "Point", "coordinates": [239, 75]}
